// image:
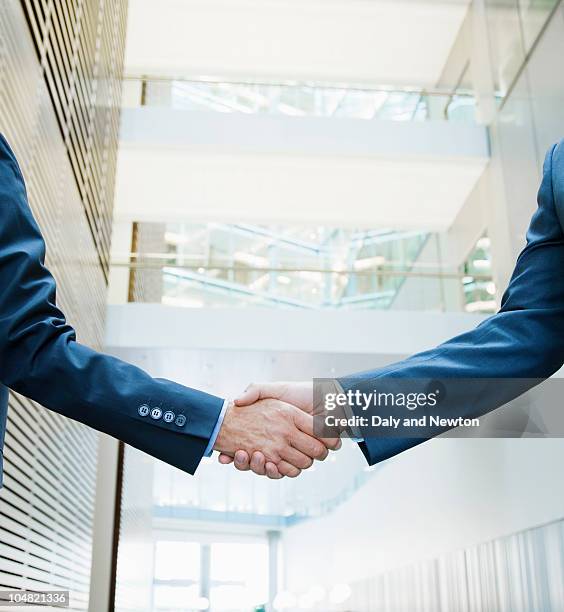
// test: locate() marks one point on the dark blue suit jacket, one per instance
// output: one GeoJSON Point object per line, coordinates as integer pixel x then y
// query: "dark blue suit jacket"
{"type": "Point", "coordinates": [525, 339]}
{"type": "Point", "coordinates": [41, 359]}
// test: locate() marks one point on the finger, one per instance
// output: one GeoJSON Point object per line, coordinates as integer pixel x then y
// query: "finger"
{"type": "Point", "coordinates": [296, 458]}
{"type": "Point", "coordinates": [242, 461]}
{"type": "Point", "coordinates": [308, 445]}
{"type": "Point", "coordinates": [257, 463]}
{"type": "Point", "coordinates": [304, 422]}
{"type": "Point", "coordinates": [272, 471]}
{"type": "Point", "coordinates": [225, 459]}
{"type": "Point", "coordinates": [332, 443]}
{"type": "Point", "coordinates": [287, 469]}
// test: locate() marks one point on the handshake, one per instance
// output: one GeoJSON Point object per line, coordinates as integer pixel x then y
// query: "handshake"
{"type": "Point", "coordinates": [269, 430]}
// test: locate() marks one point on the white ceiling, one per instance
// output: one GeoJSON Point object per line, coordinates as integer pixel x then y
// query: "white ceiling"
{"type": "Point", "coordinates": [403, 42]}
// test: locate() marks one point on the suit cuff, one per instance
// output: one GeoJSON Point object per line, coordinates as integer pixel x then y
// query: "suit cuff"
{"type": "Point", "coordinates": [215, 432]}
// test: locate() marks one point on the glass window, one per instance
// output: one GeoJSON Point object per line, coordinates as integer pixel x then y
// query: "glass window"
{"type": "Point", "coordinates": [239, 576]}
{"type": "Point", "coordinates": [169, 598]}
{"type": "Point", "coordinates": [177, 561]}
{"type": "Point", "coordinates": [237, 572]}
{"type": "Point", "coordinates": [177, 577]}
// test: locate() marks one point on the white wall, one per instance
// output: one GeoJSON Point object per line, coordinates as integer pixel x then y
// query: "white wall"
{"type": "Point", "coordinates": [198, 166]}
{"type": "Point", "coordinates": [441, 496]}
{"type": "Point", "coordinates": [262, 329]}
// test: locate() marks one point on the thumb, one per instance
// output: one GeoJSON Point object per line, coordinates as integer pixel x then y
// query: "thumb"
{"type": "Point", "coordinates": [255, 392]}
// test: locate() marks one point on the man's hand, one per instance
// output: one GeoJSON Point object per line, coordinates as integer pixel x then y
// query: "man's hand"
{"type": "Point", "coordinates": [299, 394]}
{"type": "Point", "coordinates": [280, 432]}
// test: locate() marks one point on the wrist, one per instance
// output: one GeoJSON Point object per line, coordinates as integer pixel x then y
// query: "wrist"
{"type": "Point", "coordinates": [223, 442]}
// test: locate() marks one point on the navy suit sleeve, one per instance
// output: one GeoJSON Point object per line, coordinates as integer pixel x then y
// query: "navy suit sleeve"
{"type": "Point", "coordinates": [523, 340]}
{"type": "Point", "coordinates": [41, 359]}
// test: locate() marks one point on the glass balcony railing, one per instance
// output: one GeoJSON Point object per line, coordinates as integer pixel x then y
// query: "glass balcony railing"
{"type": "Point", "coordinates": [193, 286]}
{"type": "Point", "coordinates": [240, 265]}
{"type": "Point", "coordinates": [479, 287]}
{"type": "Point", "coordinates": [258, 501]}
{"type": "Point", "coordinates": [301, 99]}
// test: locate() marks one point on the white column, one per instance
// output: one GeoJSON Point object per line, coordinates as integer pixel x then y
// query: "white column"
{"type": "Point", "coordinates": [103, 532]}
{"type": "Point", "coordinates": [273, 566]}
{"type": "Point", "coordinates": [481, 65]}
{"type": "Point", "coordinates": [118, 287]}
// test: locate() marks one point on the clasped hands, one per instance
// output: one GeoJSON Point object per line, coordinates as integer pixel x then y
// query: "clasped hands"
{"type": "Point", "coordinates": [269, 430]}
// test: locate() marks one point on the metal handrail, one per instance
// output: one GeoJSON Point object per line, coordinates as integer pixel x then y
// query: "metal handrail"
{"type": "Point", "coordinates": [309, 84]}
{"type": "Point", "coordinates": [152, 264]}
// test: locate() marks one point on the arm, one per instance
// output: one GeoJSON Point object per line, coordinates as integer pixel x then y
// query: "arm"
{"type": "Point", "coordinates": [523, 340]}
{"type": "Point", "coordinates": [40, 358]}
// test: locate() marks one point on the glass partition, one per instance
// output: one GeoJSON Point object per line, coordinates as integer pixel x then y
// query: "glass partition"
{"type": "Point", "coordinates": [534, 15]}
{"type": "Point", "coordinates": [514, 27]}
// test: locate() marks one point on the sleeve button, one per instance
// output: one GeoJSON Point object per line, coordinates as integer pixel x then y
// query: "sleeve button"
{"type": "Point", "coordinates": [143, 410]}
{"type": "Point", "coordinates": [156, 414]}
{"type": "Point", "coordinates": [169, 416]}
{"type": "Point", "coordinates": [180, 420]}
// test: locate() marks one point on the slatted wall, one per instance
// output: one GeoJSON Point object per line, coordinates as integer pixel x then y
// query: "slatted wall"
{"type": "Point", "coordinates": [80, 46]}
{"type": "Point", "coordinates": [523, 572]}
{"type": "Point", "coordinates": [58, 109]}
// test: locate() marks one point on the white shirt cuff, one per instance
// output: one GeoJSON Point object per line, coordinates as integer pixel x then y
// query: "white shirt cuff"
{"type": "Point", "coordinates": [215, 432]}
{"type": "Point", "coordinates": [356, 433]}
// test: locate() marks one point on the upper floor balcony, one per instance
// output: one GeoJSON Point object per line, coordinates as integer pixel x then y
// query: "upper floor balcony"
{"type": "Point", "coordinates": [300, 154]}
